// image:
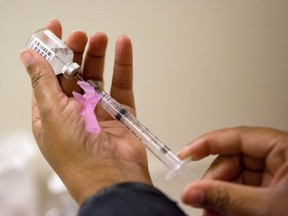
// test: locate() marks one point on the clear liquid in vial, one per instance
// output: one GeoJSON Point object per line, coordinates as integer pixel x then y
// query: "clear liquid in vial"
{"type": "Point", "coordinates": [55, 51]}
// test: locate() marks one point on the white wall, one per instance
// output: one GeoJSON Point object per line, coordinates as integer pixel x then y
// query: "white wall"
{"type": "Point", "coordinates": [199, 65]}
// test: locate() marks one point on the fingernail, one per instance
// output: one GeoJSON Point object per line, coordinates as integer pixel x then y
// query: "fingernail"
{"type": "Point", "coordinates": [196, 198]}
{"type": "Point", "coordinates": [26, 57]}
{"type": "Point", "coordinates": [179, 154]}
{"type": "Point", "coordinates": [183, 150]}
{"type": "Point", "coordinates": [182, 154]}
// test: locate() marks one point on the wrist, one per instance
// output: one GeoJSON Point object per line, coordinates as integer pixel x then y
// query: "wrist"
{"type": "Point", "coordinates": [86, 182]}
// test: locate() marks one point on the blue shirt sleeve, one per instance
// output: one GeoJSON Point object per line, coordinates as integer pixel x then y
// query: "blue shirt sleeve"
{"type": "Point", "coordinates": [129, 199]}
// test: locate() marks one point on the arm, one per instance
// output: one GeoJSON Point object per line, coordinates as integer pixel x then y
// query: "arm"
{"type": "Point", "coordinates": [130, 199]}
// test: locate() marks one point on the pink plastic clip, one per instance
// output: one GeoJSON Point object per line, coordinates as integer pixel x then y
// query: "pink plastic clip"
{"type": "Point", "coordinates": [89, 100]}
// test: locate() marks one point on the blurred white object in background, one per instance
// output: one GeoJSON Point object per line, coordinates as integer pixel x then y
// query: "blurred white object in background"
{"type": "Point", "coordinates": [28, 186]}
{"type": "Point", "coordinates": [18, 195]}
{"type": "Point", "coordinates": [61, 202]}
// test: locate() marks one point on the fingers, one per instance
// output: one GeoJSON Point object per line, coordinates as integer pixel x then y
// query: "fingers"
{"type": "Point", "coordinates": [47, 91]}
{"type": "Point", "coordinates": [93, 67]}
{"type": "Point", "coordinates": [235, 168]}
{"type": "Point", "coordinates": [254, 142]}
{"type": "Point", "coordinates": [228, 199]}
{"type": "Point", "coordinates": [77, 41]}
{"type": "Point", "coordinates": [122, 82]}
{"type": "Point", "coordinates": [226, 168]}
{"type": "Point", "coordinates": [94, 60]}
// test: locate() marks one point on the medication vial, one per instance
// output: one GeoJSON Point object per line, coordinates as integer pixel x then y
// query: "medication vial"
{"type": "Point", "coordinates": [55, 51]}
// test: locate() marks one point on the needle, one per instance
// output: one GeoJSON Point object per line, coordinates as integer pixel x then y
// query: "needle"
{"type": "Point", "coordinates": [78, 75]}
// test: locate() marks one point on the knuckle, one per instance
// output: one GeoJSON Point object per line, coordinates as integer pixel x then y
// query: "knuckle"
{"type": "Point", "coordinates": [35, 79]}
{"type": "Point", "coordinates": [222, 201]}
{"type": "Point", "coordinates": [224, 204]}
{"type": "Point", "coordinates": [35, 75]}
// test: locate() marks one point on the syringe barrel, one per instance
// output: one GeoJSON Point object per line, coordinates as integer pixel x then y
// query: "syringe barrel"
{"type": "Point", "coordinates": [161, 151]}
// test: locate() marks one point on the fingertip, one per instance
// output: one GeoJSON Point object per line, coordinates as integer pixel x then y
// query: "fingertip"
{"type": "Point", "coordinates": [193, 196]}
{"type": "Point", "coordinates": [99, 36]}
{"type": "Point", "coordinates": [124, 40]}
{"type": "Point", "coordinates": [182, 155]}
{"type": "Point", "coordinates": [36, 66]}
{"type": "Point", "coordinates": [54, 25]}
{"type": "Point", "coordinates": [97, 44]}
{"type": "Point", "coordinates": [191, 151]}
{"type": "Point", "coordinates": [27, 57]}
{"type": "Point", "coordinates": [124, 37]}
{"type": "Point", "coordinates": [31, 59]}
{"type": "Point", "coordinates": [124, 51]}
{"type": "Point", "coordinates": [77, 41]}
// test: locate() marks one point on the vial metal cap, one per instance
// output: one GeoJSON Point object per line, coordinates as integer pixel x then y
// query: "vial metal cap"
{"type": "Point", "coordinates": [71, 70]}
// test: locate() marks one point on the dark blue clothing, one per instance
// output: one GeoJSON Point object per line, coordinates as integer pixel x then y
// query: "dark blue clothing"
{"type": "Point", "coordinates": [129, 199]}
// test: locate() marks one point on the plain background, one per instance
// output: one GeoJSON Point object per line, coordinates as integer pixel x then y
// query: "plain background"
{"type": "Point", "coordinates": [198, 65]}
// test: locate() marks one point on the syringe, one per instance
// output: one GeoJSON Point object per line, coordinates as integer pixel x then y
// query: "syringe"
{"type": "Point", "coordinates": [44, 42]}
{"type": "Point", "coordinates": [161, 151]}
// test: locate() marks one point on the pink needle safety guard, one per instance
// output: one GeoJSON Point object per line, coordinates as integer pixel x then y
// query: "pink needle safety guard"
{"type": "Point", "coordinates": [89, 101]}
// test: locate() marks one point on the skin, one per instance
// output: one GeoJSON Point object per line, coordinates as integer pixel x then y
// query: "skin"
{"type": "Point", "coordinates": [86, 162]}
{"type": "Point", "coordinates": [248, 177]}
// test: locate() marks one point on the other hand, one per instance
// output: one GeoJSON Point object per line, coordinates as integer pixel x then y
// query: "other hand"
{"type": "Point", "coordinates": [249, 177]}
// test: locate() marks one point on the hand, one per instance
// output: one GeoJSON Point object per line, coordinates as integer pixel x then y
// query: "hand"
{"type": "Point", "coordinates": [249, 177]}
{"type": "Point", "coordinates": [86, 162]}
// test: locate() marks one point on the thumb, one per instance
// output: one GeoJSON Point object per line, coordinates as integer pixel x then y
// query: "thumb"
{"type": "Point", "coordinates": [227, 198]}
{"type": "Point", "coordinates": [44, 82]}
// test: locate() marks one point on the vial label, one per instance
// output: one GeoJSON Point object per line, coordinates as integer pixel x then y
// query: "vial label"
{"type": "Point", "coordinates": [42, 49]}
{"type": "Point", "coordinates": [54, 51]}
